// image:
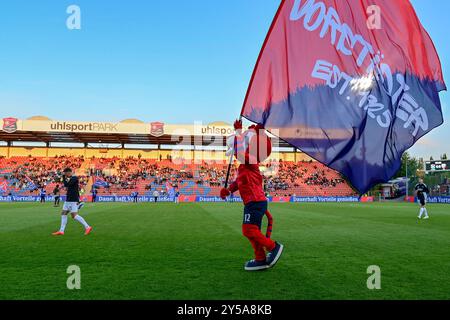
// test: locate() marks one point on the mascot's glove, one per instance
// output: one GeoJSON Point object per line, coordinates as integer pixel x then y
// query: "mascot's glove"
{"type": "Point", "coordinates": [224, 193]}
{"type": "Point", "coordinates": [238, 125]}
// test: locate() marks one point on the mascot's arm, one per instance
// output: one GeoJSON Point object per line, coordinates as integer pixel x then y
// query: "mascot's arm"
{"type": "Point", "coordinates": [233, 187]}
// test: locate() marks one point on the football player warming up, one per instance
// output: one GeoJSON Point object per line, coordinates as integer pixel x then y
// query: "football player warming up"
{"type": "Point", "coordinates": [251, 148]}
{"type": "Point", "coordinates": [71, 204]}
{"type": "Point", "coordinates": [421, 191]}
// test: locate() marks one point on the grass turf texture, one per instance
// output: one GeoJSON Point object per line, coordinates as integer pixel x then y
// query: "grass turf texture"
{"type": "Point", "coordinates": [196, 251]}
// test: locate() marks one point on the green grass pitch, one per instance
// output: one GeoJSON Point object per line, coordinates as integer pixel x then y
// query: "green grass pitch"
{"type": "Point", "coordinates": [196, 251]}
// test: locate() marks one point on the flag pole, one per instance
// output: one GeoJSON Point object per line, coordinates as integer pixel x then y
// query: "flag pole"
{"type": "Point", "coordinates": [407, 181]}
{"type": "Point", "coordinates": [230, 163]}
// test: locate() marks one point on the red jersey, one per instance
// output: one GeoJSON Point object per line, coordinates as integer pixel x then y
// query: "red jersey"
{"type": "Point", "coordinates": [249, 182]}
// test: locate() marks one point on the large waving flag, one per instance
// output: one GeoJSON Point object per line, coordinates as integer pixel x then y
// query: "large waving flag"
{"type": "Point", "coordinates": [353, 93]}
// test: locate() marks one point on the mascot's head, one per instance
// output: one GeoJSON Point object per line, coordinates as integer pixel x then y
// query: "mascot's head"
{"type": "Point", "coordinates": [252, 146]}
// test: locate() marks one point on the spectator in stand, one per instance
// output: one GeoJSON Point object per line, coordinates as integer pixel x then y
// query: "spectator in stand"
{"type": "Point", "coordinates": [177, 196]}
{"type": "Point", "coordinates": [135, 196]}
{"type": "Point", "coordinates": [43, 194]}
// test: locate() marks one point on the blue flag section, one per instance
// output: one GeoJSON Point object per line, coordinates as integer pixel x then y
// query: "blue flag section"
{"type": "Point", "coordinates": [352, 95]}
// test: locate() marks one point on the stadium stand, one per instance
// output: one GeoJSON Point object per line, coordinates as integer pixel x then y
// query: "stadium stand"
{"type": "Point", "coordinates": [25, 175]}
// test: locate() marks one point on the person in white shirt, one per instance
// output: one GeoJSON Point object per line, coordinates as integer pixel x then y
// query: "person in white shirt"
{"type": "Point", "coordinates": [156, 195]}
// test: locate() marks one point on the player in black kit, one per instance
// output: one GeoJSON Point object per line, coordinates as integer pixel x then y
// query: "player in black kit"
{"type": "Point", "coordinates": [57, 196]}
{"type": "Point", "coordinates": [71, 183]}
{"type": "Point", "coordinates": [421, 191]}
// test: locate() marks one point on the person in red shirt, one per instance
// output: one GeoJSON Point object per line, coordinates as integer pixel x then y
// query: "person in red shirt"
{"type": "Point", "coordinates": [251, 148]}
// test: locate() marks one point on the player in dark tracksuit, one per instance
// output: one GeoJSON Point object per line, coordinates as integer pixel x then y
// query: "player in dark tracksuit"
{"type": "Point", "coordinates": [94, 194]}
{"type": "Point", "coordinates": [57, 195]}
{"type": "Point", "coordinates": [249, 182]}
{"type": "Point", "coordinates": [421, 191]}
{"type": "Point", "coordinates": [71, 205]}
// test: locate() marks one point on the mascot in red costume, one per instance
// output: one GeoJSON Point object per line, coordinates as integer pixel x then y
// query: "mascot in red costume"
{"type": "Point", "coordinates": [251, 148]}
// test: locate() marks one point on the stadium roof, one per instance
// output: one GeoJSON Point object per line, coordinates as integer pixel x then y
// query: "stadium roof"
{"type": "Point", "coordinates": [73, 137]}
{"type": "Point", "coordinates": [129, 131]}
{"type": "Point", "coordinates": [85, 138]}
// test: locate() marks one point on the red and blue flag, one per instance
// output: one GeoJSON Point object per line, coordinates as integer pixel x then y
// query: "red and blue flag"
{"type": "Point", "coordinates": [352, 83]}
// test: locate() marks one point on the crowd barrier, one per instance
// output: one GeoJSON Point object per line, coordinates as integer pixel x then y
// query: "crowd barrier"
{"type": "Point", "coordinates": [194, 198]}
{"type": "Point", "coordinates": [438, 199]}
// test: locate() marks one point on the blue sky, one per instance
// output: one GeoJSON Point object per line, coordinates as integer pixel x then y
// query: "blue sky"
{"type": "Point", "coordinates": [171, 61]}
